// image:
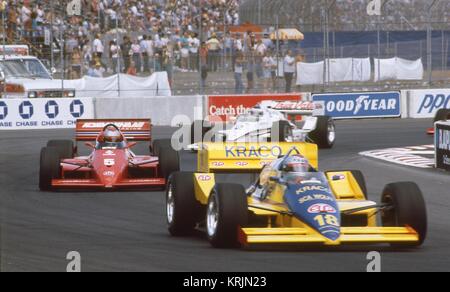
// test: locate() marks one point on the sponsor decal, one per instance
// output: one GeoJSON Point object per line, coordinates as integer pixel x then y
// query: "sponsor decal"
{"type": "Point", "coordinates": [224, 107]}
{"type": "Point", "coordinates": [218, 164]}
{"type": "Point", "coordinates": [109, 153]}
{"type": "Point", "coordinates": [315, 197]}
{"type": "Point", "coordinates": [51, 109]}
{"type": "Point", "coordinates": [26, 110]}
{"type": "Point", "coordinates": [109, 173]}
{"type": "Point", "coordinates": [300, 105]}
{"type": "Point", "coordinates": [77, 109]}
{"type": "Point", "coordinates": [321, 208]}
{"type": "Point", "coordinates": [361, 105]}
{"type": "Point", "coordinates": [3, 110]}
{"type": "Point", "coordinates": [121, 125]}
{"type": "Point", "coordinates": [254, 152]}
{"type": "Point", "coordinates": [109, 162]}
{"type": "Point", "coordinates": [425, 103]}
{"type": "Point", "coordinates": [442, 145]}
{"type": "Point", "coordinates": [311, 188]}
{"type": "Point", "coordinates": [241, 163]}
{"type": "Point", "coordinates": [204, 177]}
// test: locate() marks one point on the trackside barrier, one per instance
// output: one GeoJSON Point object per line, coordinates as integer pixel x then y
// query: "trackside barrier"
{"type": "Point", "coordinates": [425, 103]}
{"type": "Point", "coordinates": [29, 114]}
{"type": "Point", "coordinates": [26, 114]}
{"type": "Point", "coordinates": [161, 110]}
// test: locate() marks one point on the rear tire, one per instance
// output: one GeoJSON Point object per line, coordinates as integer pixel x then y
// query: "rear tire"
{"type": "Point", "coordinates": [227, 211]}
{"type": "Point", "coordinates": [160, 144]}
{"type": "Point", "coordinates": [65, 148]}
{"type": "Point", "coordinates": [50, 167]}
{"type": "Point", "coordinates": [408, 209]}
{"type": "Point", "coordinates": [183, 209]}
{"type": "Point", "coordinates": [284, 129]}
{"type": "Point", "coordinates": [169, 162]}
{"type": "Point", "coordinates": [325, 133]}
{"type": "Point", "coordinates": [442, 115]}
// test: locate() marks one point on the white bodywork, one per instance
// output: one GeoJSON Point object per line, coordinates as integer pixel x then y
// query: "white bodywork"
{"type": "Point", "coordinates": [256, 125]}
{"type": "Point", "coordinates": [42, 85]}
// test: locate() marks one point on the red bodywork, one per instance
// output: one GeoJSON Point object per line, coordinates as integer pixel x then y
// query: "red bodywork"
{"type": "Point", "coordinates": [111, 168]}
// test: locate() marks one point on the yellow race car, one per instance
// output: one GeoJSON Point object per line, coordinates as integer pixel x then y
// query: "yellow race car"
{"type": "Point", "coordinates": [290, 201]}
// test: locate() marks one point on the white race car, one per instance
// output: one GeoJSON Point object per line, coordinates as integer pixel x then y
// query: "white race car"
{"type": "Point", "coordinates": [270, 121]}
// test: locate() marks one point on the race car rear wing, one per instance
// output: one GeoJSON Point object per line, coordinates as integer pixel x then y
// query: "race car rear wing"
{"type": "Point", "coordinates": [248, 157]}
{"type": "Point", "coordinates": [132, 129]}
{"type": "Point", "coordinates": [289, 107]}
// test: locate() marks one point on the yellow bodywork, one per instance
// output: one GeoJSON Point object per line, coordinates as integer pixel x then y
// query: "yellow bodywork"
{"type": "Point", "coordinates": [281, 226]}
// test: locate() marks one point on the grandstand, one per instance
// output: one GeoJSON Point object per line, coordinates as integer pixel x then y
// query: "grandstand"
{"type": "Point", "coordinates": [346, 15]}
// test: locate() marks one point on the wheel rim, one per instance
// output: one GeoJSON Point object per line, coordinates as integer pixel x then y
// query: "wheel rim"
{"type": "Point", "coordinates": [331, 133]}
{"type": "Point", "coordinates": [170, 205]}
{"type": "Point", "coordinates": [212, 216]}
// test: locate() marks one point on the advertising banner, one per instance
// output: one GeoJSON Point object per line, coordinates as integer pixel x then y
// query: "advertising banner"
{"type": "Point", "coordinates": [360, 105]}
{"type": "Point", "coordinates": [26, 114]}
{"type": "Point", "coordinates": [442, 145]}
{"type": "Point", "coordinates": [426, 103]}
{"type": "Point", "coordinates": [222, 107]}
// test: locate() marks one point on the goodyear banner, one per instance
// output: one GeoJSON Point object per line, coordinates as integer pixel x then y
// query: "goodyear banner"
{"type": "Point", "coordinates": [360, 105]}
{"type": "Point", "coordinates": [425, 103]}
{"type": "Point", "coordinates": [442, 145]}
{"type": "Point", "coordinates": [26, 114]}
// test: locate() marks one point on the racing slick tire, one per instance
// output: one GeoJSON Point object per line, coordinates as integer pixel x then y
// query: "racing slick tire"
{"type": "Point", "coordinates": [325, 133]}
{"type": "Point", "coordinates": [442, 115]}
{"type": "Point", "coordinates": [360, 179]}
{"type": "Point", "coordinates": [183, 209]}
{"type": "Point", "coordinates": [407, 209]}
{"type": "Point", "coordinates": [160, 144]}
{"type": "Point", "coordinates": [65, 148]}
{"type": "Point", "coordinates": [169, 162]}
{"type": "Point", "coordinates": [227, 211]}
{"type": "Point", "coordinates": [284, 132]}
{"type": "Point", "coordinates": [49, 167]}
{"type": "Point", "coordinates": [196, 126]}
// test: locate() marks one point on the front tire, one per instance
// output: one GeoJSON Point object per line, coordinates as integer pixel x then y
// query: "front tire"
{"type": "Point", "coordinates": [50, 167]}
{"type": "Point", "coordinates": [407, 209]}
{"type": "Point", "coordinates": [65, 148]}
{"type": "Point", "coordinates": [183, 209]}
{"type": "Point", "coordinates": [325, 133]}
{"type": "Point", "coordinates": [227, 211]}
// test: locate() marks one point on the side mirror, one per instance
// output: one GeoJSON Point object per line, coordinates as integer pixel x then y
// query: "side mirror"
{"type": "Point", "coordinates": [2, 76]}
{"type": "Point", "coordinates": [53, 70]}
{"type": "Point", "coordinates": [89, 145]}
{"type": "Point", "coordinates": [132, 144]}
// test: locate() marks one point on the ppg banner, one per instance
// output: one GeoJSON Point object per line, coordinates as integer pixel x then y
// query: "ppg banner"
{"type": "Point", "coordinates": [360, 105]}
{"type": "Point", "coordinates": [26, 114]}
{"type": "Point", "coordinates": [442, 145]}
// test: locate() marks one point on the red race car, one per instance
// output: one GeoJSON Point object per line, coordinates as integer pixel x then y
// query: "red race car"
{"type": "Point", "coordinates": [441, 115]}
{"type": "Point", "coordinates": [112, 165]}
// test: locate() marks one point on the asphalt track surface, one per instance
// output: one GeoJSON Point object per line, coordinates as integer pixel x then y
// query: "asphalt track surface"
{"type": "Point", "coordinates": [127, 231]}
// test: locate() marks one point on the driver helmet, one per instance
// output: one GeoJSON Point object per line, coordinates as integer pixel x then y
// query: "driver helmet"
{"type": "Point", "coordinates": [112, 134]}
{"type": "Point", "coordinates": [296, 163]}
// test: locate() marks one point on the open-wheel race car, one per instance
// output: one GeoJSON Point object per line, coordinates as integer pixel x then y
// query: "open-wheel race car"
{"type": "Point", "coordinates": [290, 202]}
{"type": "Point", "coordinates": [272, 121]}
{"type": "Point", "coordinates": [111, 164]}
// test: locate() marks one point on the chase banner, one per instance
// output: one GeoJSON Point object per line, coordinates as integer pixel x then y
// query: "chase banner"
{"type": "Point", "coordinates": [442, 145]}
{"type": "Point", "coordinates": [360, 105]}
{"type": "Point", "coordinates": [60, 113]}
